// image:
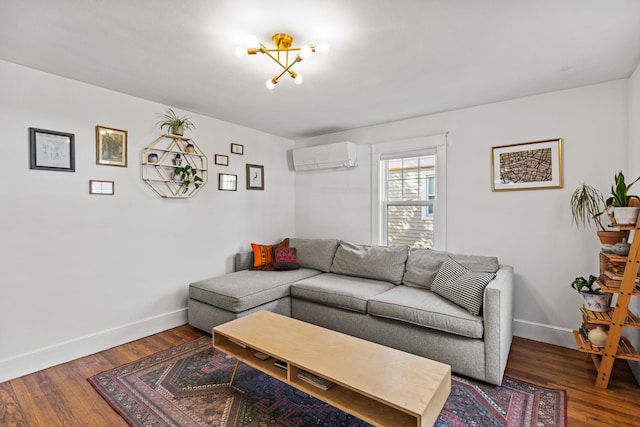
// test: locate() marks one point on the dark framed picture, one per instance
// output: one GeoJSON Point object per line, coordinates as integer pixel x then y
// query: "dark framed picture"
{"type": "Point", "coordinates": [527, 166]}
{"type": "Point", "coordinates": [52, 150]}
{"type": "Point", "coordinates": [227, 182]}
{"type": "Point", "coordinates": [255, 177]}
{"type": "Point", "coordinates": [101, 187]}
{"type": "Point", "coordinates": [221, 159]}
{"type": "Point", "coordinates": [237, 149]}
{"type": "Point", "coordinates": [111, 147]}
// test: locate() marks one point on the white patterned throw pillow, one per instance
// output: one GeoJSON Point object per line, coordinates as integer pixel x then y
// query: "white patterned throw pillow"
{"type": "Point", "coordinates": [461, 285]}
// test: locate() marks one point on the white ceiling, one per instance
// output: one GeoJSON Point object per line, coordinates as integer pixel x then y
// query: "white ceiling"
{"type": "Point", "coordinates": [389, 59]}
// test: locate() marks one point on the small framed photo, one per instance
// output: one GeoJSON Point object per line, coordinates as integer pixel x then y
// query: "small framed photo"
{"type": "Point", "coordinates": [255, 177]}
{"type": "Point", "coordinates": [237, 149]}
{"type": "Point", "coordinates": [527, 166]}
{"type": "Point", "coordinates": [51, 150]}
{"type": "Point", "coordinates": [111, 146]}
{"type": "Point", "coordinates": [227, 182]}
{"type": "Point", "coordinates": [101, 187]}
{"type": "Point", "coordinates": [221, 159]}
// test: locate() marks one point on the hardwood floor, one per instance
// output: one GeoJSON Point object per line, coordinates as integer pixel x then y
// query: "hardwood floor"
{"type": "Point", "coordinates": [62, 396]}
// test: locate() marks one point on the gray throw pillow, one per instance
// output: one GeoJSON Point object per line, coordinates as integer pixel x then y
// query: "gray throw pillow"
{"type": "Point", "coordinates": [422, 266]}
{"type": "Point", "coordinates": [314, 253]}
{"type": "Point", "coordinates": [461, 285]}
{"type": "Point", "coordinates": [371, 262]}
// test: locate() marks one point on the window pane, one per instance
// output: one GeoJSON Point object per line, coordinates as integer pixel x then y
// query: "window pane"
{"type": "Point", "coordinates": [406, 225]}
{"type": "Point", "coordinates": [410, 179]}
{"type": "Point", "coordinates": [431, 190]}
{"type": "Point", "coordinates": [410, 190]}
{"type": "Point", "coordinates": [394, 184]}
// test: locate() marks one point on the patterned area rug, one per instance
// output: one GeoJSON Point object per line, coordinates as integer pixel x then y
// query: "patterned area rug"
{"type": "Point", "coordinates": [188, 386]}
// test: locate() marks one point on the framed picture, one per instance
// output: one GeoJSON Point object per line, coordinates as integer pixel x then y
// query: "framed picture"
{"type": "Point", "coordinates": [111, 147]}
{"type": "Point", "coordinates": [101, 187]}
{"type": "Point", "coordinates": [237, 149]}
{"type": "Point", "coordinates": [255, 177]}
{"type": "Point", "coordinates": [527, 166]}
{"type": "Point", "coordinates": [221, 159]}
{"type": "Point", "coordinates": [51, 150]}
{"type": "Point", "coordinates": [227, 182]}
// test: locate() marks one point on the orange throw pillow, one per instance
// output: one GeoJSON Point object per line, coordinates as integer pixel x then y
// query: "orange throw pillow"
{"type": "Point", "coordinates": [263, 254]}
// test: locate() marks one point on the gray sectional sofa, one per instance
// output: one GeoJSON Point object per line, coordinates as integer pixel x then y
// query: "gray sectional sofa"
{"type": "Point", "coordinates": [456, 309]}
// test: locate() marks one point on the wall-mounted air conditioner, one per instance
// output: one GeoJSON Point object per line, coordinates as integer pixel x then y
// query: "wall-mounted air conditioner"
{"type": "Point", "coordinates": [338, 155]}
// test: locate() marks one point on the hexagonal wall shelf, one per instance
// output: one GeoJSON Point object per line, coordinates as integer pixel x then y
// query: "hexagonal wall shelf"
{"type": "Point", "coordinates": [160, 159]}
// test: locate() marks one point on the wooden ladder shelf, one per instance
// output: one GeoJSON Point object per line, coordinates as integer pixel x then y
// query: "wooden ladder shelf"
{"type": "Point", "coordinates": [619, 317]}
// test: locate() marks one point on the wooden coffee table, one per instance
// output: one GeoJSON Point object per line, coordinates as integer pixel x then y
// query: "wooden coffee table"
{"type": "Point", "coordinates": [377, 384]}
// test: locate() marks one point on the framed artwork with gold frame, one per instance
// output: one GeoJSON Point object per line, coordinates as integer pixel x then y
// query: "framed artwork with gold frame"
{"type": "Point", "coordinates": [527, 166]}
{"type": "Point", "coordinates": [111, 146]}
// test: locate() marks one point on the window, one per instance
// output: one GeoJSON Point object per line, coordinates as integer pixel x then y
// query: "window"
{"type": "Point", "coordinates": [409, 195]}
{"type": "Point", "coordinates": [408, 192]}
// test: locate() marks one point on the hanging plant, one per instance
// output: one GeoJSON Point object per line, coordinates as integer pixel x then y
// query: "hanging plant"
{"type": "Point", "coordinates": [187, 175]}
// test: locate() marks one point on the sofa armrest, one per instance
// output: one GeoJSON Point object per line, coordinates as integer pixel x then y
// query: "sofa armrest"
{"type": "Point", "coordinates": [243, 261]}
{"type": "Point", "coordinates": [498, 323]}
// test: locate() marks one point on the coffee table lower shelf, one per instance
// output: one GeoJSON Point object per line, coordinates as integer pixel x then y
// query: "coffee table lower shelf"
{"type": "Point", "coordinates": [359, 405]}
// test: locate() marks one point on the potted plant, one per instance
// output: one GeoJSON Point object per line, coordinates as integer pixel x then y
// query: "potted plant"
{"type": "Point", "coordinates": [586, 209]}
{"type": "Point", "coordinates": [175, 125]}
{"type": "Point", "coordinates": [187, 175]}
{"type": "Point", "coordinates": [625, 206]}
{"type": "Point", "coordinates": [594, 298]}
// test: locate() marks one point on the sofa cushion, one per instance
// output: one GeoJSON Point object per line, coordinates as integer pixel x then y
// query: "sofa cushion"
{"type": "Point", "coordinates": [422, 266]}
{"type": "Point", "coordinates": [424, 308]}
{"type": "Point", "coordinates": [350, 293]}
{"type": "Point", "coordinates": [263, 254]}
{"type": "Point", "coordinates": [314, 253]}
{"type": "Point", "coordinates": [461, 285]}
{"type": "Point", "coordinates": [246, 289]}
{"type": "Point", "coordinates": [284, 259]}
{"type": "Point", "coordinates": [371, 262]}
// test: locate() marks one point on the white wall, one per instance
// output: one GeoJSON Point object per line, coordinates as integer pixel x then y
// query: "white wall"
{"type": "Point", "coordinates": [82, 272]}
{"type": "Point", "coordinates": [634, 171]}
{"type": "Point", "coordinates": [530, 230]}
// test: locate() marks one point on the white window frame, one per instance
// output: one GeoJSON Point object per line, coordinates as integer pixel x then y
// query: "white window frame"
{"type": "Point", "coordinates": [427, 145]}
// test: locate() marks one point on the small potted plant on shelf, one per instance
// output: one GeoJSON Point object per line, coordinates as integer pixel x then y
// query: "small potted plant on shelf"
{"type": "Point", "coordinates": [586, 209]}
{"type": "Point", "coordinates": [625, 206]}
{"type": "Point", "coordinates": [594, 298]}
{"type": "Point", "coordinates": [175, 125]}
{"type": "Point", "coordinates": [187, 175]}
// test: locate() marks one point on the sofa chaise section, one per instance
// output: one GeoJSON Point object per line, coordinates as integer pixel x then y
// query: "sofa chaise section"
{"type": "Point", "coordinates": [220, 299]}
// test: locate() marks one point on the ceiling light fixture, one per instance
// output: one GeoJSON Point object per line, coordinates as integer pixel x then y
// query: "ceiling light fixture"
{"type": "Point", "coordinates": [283, 44]}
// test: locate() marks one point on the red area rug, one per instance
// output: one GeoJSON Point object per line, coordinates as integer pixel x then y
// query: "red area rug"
{"type": "Point", "coordinates": [188, 386]}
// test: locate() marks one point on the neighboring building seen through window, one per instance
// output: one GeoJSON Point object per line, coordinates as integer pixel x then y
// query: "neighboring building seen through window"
{"type": "Point", "coordinates": [408, 200]}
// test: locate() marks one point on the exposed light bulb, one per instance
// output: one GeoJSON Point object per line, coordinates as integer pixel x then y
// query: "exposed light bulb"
{"type": "Point", "coordinates": [305, 51]}
{"type": "Point", "coordinates": [252, 41]}
{"type": "Point", "coordinates": [270, 84]}
{"type": "Point", "coordinates": [298, 79]}
{"type": "Point", "coordinates": [322, 48]}
{"type": "Point", "coordinates": [240, 52]}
